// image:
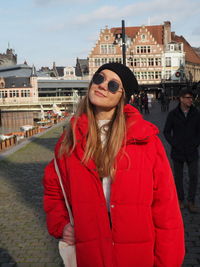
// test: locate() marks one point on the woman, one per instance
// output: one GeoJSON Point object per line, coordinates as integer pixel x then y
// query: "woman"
{"type": "Point", "coordinates": [118, 181]}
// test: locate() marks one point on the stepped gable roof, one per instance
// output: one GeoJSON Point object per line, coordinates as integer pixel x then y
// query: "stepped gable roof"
{"type": "Point", "coordinates": [157, 32]}
{"type": "Point", "coordinates": [190, 54]}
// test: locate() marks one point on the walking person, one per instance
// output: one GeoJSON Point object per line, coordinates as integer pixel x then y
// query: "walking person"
{"type": "Point", "coordinates": [146, 104]}
{"type": "Point", "coordinates": [182, 131]}
{"type": "Point", "coordinates": [140, 103]}
{"type": "Point", "coordinates": [167, 101]}
{"type": "Point", "coordinates": [118, 182]}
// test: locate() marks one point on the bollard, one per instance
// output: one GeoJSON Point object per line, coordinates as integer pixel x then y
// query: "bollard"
{"type": "Point", "coordinates": [7, 141]}
{"type": "Point", "coordinates": [11, 141]}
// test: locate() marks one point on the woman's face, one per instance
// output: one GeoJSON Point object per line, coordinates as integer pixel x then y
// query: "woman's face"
{"type": "Point", "coordinates": [101, 97]}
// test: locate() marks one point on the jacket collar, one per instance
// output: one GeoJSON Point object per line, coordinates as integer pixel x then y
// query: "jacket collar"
{"type": "Point", "coordinates": [138, 129]}
{"type": "Point", "coordinates": [179, 111]}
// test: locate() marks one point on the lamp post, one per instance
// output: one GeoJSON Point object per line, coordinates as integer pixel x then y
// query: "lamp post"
{"type": "Point", "coordinates": [123, 43]}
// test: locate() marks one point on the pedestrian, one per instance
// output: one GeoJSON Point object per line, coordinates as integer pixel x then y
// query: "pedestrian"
{"type": "Point", "coordinates": [134, 101]}
{"type": "Point", "coordinates": [167, 102]}
{"type": "Point", "coordinates": [118, 182]}
{"type": "Point", "coordinates": [140, 103]}
{"type": "Point", "coordinates": [182, 131]}
{"type": "Point", "coordinates": [146, 104]}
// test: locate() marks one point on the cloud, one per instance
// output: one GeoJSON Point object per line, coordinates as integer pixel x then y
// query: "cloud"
{"type": "Point", "coordinates": [159, 10]}
{"type": "Point", "coordinates": [43, 3]}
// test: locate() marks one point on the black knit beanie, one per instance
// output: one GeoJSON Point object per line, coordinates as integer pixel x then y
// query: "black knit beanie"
{"type": "Point", "coordinates": [127, 77]}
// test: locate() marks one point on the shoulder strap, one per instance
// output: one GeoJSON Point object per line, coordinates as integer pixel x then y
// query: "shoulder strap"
{"type": "Point", "coordinates": [64, 194]}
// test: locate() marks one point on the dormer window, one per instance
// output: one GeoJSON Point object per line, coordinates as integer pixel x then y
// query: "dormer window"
{"type": "Point", "coordinates": [13, 84]}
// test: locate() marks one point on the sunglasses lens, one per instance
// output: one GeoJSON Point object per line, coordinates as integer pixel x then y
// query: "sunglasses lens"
{"type": "Point", "coordinates": [97, 78]}
{"type": "Point", "coordinates": [113, 86]}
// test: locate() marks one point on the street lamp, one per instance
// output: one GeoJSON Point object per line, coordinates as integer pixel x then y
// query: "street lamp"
{"type": "Point", "coordinates": [123, 43]}
{"type": "Point", "coordinates": [122, 36]}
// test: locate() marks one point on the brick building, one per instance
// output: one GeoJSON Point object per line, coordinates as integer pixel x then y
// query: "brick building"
{"type": "Point", "coordinates": [18, 84]}
{"type": "Point", "coordinates": [158, 57]}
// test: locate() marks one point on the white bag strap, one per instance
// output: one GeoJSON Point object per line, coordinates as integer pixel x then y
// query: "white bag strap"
{"type": "Point", "coordinates": [64, 194]}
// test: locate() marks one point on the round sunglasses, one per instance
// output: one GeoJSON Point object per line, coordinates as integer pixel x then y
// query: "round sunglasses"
{"type": "Point", "coordinates": [113, 86]}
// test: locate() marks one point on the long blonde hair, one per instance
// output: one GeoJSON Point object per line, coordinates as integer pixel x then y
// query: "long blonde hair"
{"type": "Point", "coordinates": [104, 156]}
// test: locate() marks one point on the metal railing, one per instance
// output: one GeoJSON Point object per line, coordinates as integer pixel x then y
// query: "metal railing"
{"type": "Point", "coordinates": [40, 100]}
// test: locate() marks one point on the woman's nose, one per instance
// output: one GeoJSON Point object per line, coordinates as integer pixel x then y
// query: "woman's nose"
{"type": "Point", "coordinates": [104, 85]}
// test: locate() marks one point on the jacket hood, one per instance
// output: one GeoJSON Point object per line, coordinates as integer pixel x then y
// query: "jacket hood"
{"type": "Point", "coordinates": [138, 129]}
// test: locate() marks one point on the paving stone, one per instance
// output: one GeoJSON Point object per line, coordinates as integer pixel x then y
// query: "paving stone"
{"type": "Point", "coordinates": [24, 240]}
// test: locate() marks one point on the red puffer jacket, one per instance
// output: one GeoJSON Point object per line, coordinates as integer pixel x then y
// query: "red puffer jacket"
{"type": "Point", "coordinates": [147, 228]}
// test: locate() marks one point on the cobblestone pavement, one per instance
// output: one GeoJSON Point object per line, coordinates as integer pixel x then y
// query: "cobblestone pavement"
{"type": "Point", "coordinates": [24, 241]}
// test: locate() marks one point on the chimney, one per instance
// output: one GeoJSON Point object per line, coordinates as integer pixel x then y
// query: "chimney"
{"type": "Point", "coordinates": [172, 36]}
{"type": "Point", "coordinates": [167, 32]}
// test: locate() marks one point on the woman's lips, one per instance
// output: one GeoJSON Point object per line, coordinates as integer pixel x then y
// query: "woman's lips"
{"type": "Point", "coordinates": [99, 94]}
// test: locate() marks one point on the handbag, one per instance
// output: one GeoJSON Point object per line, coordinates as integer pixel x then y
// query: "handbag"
{"type": "Point", "coordinates": [67, 252]}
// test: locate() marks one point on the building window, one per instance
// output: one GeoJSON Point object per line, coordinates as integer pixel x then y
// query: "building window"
{"type": "Point", "coordinates": [150, 75]}
{"type": "Point", "coordinates": [111, 59]}
{"type": "Point", "coordinates": [143, 37]}
{"type": "Point", "coordinates": [143, 62]}
{"type": "Point", "coordinates": [25, 93]}
{"type": "Point", "coordinates": [168, 61]}
{"type": "Point", "coordinates": [97, 62]}
{"type": "Point", "coordinates": [103, 49]}
{"type": "Point", "coordinates": [119, 59]}
{"type": "Point", "coordinates": [136, 62]}
{"type": "Point", "coordinates": [3, 94]}
{"type": "Point", "coordinates": [106, 38]}
{"type": "Point", "coordinates": [158, 61]}
{"type": "Point", "coordinates": [107, 49]}
{"type": "Point", "coordinates": [104, 60]}
{"type": "Point", "coordinates": [143, 49]}
{"type": "Point", "coordinates": [2, 85]}
{"type": "Point", "coordinates": [137, 74]}
{"type": "Point", "coordinates": [111, 49]}
{"type": "Point", "coordinates": [143, 75]}
{"type": "Point", "coordinates": [168, 75]}
{"type": "Point", "coordinates": [156, 75]}
{"type": "Point", "coordinates": [151, 61]}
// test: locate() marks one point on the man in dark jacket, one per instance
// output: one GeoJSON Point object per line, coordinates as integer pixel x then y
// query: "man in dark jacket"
{"type": "Point", "coordinates": [182, 131]}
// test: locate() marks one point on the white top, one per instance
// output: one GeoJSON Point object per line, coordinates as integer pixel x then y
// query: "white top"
{"type": "Point", "coordinates": [106, 181]}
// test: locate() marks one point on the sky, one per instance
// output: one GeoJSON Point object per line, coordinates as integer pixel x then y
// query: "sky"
{"type": "Point", "coordinates": [46, 31]}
